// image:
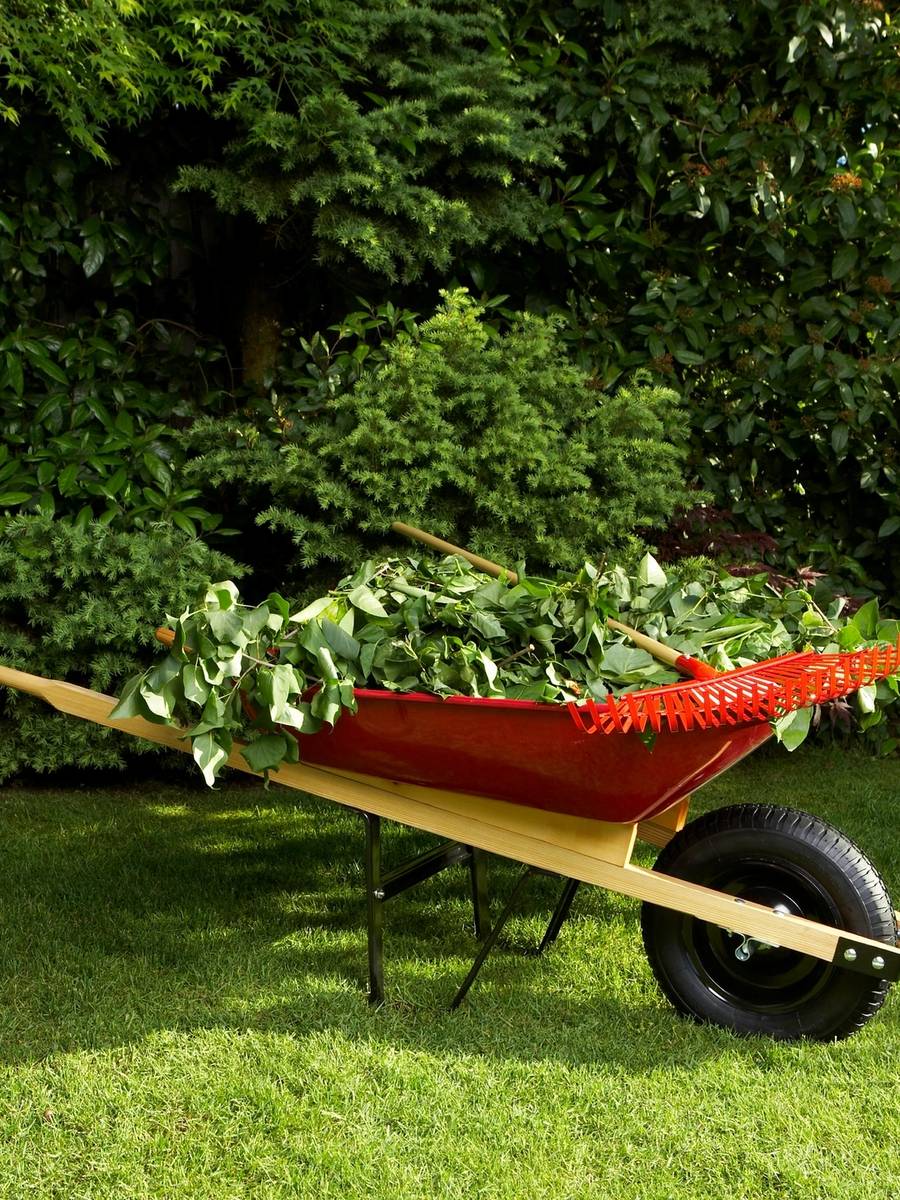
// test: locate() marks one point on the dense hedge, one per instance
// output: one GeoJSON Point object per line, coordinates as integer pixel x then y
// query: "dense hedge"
{"type": "Point", "coordinates": [497, 441]}
{"type": "Point", "coordinates": [730, 216]}
{"type": "Point", "coordinates": [82, 604]}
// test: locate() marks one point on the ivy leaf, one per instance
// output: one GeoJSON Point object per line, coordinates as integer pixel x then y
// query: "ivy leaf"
{"type": "Point", "coordinates": [312, 610]}
{"type": "Point", "coordinates": [487, 625]}
{"type": "Point", "coordinates": [131, 703]}
{"type": "Point", "coordinates": [196, 689]}
{"type": "Point", "coordinates": [650, 573]}
{"type": "Point", "coordinates": [222, 595]}
{"type": "Point", "coordinates": [227, 627]}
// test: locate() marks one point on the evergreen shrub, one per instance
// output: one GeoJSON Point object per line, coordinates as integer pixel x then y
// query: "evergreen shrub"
{"type": "Point", "coordinates": [81, 604]}
{"type": "Point", "coordinates": [498, 442]}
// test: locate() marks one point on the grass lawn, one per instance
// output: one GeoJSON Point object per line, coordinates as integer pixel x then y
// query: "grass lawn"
{"type": "Point", "coordinates": [183, 1016]}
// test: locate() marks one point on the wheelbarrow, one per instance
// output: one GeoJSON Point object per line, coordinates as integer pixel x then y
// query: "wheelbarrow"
{"type": "Point", "coordinates": [756, 918]}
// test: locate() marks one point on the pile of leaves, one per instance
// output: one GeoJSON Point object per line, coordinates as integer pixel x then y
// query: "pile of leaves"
{"type": "Point", "coordinates": [441, 626]}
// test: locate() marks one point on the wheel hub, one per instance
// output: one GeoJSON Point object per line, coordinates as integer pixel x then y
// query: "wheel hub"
{"type": "Point", "coordinates": [749, 946]}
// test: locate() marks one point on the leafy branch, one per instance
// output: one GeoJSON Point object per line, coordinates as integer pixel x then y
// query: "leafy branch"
{"type": "Point", "coordinates": [267, 674]}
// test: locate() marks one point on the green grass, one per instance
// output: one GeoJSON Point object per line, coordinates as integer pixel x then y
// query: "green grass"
{"type": "Point", "coordinates": [183, 1016]}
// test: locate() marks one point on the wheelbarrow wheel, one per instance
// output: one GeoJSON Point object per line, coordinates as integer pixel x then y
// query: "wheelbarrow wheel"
{"type": "Point", "coordinates": [784, 859]}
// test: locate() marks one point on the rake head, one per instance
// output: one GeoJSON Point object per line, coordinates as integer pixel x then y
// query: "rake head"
{"type": "Point", "coordinates": [760, 692]}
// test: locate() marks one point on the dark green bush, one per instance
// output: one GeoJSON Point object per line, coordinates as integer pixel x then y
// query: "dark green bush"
{"type": "Point", "coordinates": [497, 441]}
{"type": "Point", "coordinates": [93, 396]}
{"type": "Point", "coordinates": [82, 605]}
{"type": "Point", "coordinates": [730, 216]}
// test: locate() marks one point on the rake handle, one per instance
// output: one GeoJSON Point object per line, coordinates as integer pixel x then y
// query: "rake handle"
{"type": "Point", "coordinates": [659, 650]}
{"type": "Point", "coordinates": [436, 543]}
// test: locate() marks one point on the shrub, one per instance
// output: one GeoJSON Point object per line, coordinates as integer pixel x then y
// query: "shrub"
{"type": "Point", "coordinates": [92, 394]}
{"type": "Point", "coordinates": [730, 217]}
{"type": "Point", "coordinates": [82, 605]}
{"type": "Point", "coordinates": [497, 441]}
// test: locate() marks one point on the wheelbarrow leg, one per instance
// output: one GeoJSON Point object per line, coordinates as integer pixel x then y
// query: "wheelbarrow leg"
{"type": "Point", "coordinates": [374, 908]}
{"type": "Point", "coordinates": [382, 885]}
{"type": "Point", "coordinates": [559, 914]}
{"type": "Point", "coordinates": [491, 939]}
{"type": "Point", "coordinates": [481, 908]}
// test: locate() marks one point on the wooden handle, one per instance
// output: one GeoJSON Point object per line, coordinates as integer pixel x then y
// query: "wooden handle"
{"type": "Point", "coordinates": [659, 650]}
{"type": "Point", "coordinates": [436, 543]}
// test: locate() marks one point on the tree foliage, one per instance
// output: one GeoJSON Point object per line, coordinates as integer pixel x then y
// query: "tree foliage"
{"type": "Point", "coordinates": [387, 131]}
{"type": "Point", "coordinates": [94, 387]}
{"type": "Point", "coordinates": [104, 64]}
{"type": "Point", "coordinates": [729, 216]}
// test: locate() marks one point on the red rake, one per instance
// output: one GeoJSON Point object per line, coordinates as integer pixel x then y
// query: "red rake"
{"type": "Point", "coordinates": [759, 692]}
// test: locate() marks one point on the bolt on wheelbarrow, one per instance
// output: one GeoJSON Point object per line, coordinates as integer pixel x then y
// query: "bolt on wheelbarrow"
{"type": "Point", "coordinates": [756, 918]}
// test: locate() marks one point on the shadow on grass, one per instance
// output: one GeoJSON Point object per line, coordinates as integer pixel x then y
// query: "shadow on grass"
{"type": "Point", "coordinates": [124, 913]}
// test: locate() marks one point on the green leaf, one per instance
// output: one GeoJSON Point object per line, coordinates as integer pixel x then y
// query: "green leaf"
{"type": "Point", "coordinates": [94, 254]}
{"type": "Point", "coordinates": [891, 525]}
{"type": "Point", "coordinates": [866, 619]}
{"type": "Point", "coordinates": [366, 601]}
{"type": "Point", "coordinates": [266, 752]}
{"type": "Point", "coordinates": [796, 48]}
{"type": "Point", "coordinates": [791, 730]}
{"type": "Point", "coordinates": [256, 620]}
{"type": "Point", "coordinates": [223, 595]}
{"type": "Point", "coordinates": [185, 524]}
{"type": "Point", "coordinates": [340, 642]}
{"type": "Point", "coordinates": [865, 697]}
{"type": "Point", "coordinates": [196, 689]}
{"type": "Point", "coordinates": [798, 356]}
{"type": "Point", "coordinates": [645, 179]}
{"type": "Point", "coordinates": [227, 627]}
{"type": "Point", "coordinates": [15, 373]}
{"type": "Point", "coordinates": [157, 470]}
{"type": "Point", "coordinates": [801, 117]}
{"type": "Point", "coordinates": [209, 755]}
{"type": "Point", "coordinates": [313, 609]}
{"type": "Point", "coordinates": [131, 703]}
{"type": "Point", "coordinates": [487, 625]}
{"type": "Point", "coordinates": [844, 260]}
{"type": "Point", "coordinates": [650, 573]}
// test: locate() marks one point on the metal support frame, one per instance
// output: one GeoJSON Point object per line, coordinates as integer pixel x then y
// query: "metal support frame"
{"type": "Point", "coordinates": [382, 886]}
{"type": "Point", "coordinates": [560, 912]}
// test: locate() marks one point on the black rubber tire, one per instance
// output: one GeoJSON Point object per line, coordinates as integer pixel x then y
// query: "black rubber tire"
{"type": "Point", "coordinates": [772, 856]}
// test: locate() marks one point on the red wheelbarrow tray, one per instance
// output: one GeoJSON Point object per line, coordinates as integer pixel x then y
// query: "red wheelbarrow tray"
{"type": "Point", "coordinates": [526, 753]}
{"type": "Point", "coordinates": [654, 748]}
